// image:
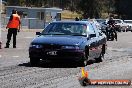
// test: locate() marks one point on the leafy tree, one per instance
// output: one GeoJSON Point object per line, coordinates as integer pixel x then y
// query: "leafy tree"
{"type": "Point", "coordinates": [13, 2]}
{"type": "Point", "coordinates": [123, 8]}
{"type": "Point", "coordinates": [89, 8]}
{"type": "Point", "coordinates": [21, 2]}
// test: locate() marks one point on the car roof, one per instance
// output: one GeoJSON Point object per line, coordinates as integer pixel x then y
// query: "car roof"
{"type": "Point", "coordinates": [81, 22]}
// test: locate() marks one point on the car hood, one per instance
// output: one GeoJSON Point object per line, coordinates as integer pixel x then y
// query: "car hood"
{"type": "Point", "coordinates": [60, 40]}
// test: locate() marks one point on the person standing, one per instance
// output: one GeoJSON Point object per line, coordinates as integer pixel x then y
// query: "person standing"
{"type": "Point", "coordinates": [76, 19]}
{"type": "Point", "coordinates": [13, 27]}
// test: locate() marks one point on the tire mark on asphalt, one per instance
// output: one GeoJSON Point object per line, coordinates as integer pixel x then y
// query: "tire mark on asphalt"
{"type": "Point", "coordinates": [28, 76]}
{"type": "Point", "coordinates": [15, 56]}
{"type": "Point", "coordinates": [37, 75]}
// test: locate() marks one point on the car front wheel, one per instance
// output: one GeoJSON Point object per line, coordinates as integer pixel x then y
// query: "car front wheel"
{"type": "Point", "coordinates": [99, 59]}
{"type": "Point", "coordinates": [84, 62]}
{"type": "Point", "coordinates": [34, 61]}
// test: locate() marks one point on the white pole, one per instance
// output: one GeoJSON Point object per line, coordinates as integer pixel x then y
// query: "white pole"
{"type": "Point", "coordinates": [0, 24]}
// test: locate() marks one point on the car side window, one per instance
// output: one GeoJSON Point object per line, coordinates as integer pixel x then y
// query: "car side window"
{"type": "Point", "coordinates": [47, 29]}
{"type": "Point", "coordinates": [96, 30]}
{"type": "Point", "coordinates": [91, 29]}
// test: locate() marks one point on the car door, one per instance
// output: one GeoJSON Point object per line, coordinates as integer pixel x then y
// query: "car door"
{"type": "Point", "coordinates": [99, 41]}
{"type": "Point", "coordinates": [93, 42]}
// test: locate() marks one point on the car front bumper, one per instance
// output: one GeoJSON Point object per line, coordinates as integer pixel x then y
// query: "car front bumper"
{"type": "Point", "coordinates": [57, 55]}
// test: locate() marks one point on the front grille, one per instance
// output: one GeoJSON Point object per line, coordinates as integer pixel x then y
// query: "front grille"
{"type": "Point", "coordinates": [51, 47]}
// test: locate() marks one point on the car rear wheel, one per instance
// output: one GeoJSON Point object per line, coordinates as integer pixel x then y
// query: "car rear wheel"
{"type": "Point", "coordinates": [34, 61]}
{"type": "Point", "coordinates": [99, 59]}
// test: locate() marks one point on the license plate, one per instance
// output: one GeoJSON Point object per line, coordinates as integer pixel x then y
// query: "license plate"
{"type": "Point", "coordinates": [52, 53]}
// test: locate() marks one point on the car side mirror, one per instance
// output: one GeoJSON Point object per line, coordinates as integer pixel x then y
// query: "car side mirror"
{"type": "Point", "coordinates": [92, 35]}
{"type": "Point", "coordinates": [38, 33]}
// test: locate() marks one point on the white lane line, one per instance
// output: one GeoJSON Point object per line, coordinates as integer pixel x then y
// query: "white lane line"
{"type": "Point", "coordinates": [15, 56]}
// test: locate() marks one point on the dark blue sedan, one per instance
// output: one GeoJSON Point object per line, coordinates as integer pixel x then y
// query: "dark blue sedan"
{"type": "Point", "coordinates": [73, 41]}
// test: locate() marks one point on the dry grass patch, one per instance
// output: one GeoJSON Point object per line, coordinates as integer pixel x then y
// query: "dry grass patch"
{"type": "Point", "coordinates": [69, 15]}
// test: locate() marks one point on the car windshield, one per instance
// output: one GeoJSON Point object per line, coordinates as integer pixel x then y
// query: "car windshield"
{"type": "Point", "coordinates": [75, 29]}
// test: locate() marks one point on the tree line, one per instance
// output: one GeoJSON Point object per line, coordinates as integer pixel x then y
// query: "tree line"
{"type": "Point", "coordinates": [88, 8]}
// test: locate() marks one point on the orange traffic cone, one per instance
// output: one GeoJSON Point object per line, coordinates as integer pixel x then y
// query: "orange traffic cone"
{"type": "Point", "coordinates": [84, 80]}
{"type": "Point", "coordinates": [84, 73]}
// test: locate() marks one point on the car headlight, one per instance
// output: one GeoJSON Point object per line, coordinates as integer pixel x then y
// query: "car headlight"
{"type": "Point", "coordinates": [70, 47]}
{"type": "Point", "coordinates": [36, 46]}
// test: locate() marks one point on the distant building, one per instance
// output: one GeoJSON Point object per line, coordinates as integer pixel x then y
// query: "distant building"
{"type": "Point", "coordinates": [36, 18]}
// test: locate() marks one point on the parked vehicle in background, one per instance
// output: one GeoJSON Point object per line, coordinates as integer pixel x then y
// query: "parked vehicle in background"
{"type": "Point", "coordinates": [93, 21]}
{"type": "Point", "coordinates": [101, 20]}
{"type": "Point", "coordinates": [121, 26]}
{"type": "Point", "coordinates": [85, 20]}
{"type": "Point", "coordinates": [129, 23]}
{"type": "Point", "coordinates": [103, 24]}
{"type": "Point", "coordinates": [96, 23]}
{"type": "Point", "coordinates": [73, 41]}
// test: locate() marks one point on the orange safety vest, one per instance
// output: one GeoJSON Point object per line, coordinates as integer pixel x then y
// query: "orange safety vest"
{"type": "Point", "coordinates": [15, 22]}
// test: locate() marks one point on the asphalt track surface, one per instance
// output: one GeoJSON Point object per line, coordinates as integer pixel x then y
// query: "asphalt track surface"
{"type": "Point", "coordinates": [16, 71]}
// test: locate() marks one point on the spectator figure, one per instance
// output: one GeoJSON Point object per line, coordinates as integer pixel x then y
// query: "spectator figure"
{"type": "Point", "coordinates": [76, 19]}
{"type": "Point", "coordinates": [53, 18]}
{"type": "Point", "coordinates": [13, 27]}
